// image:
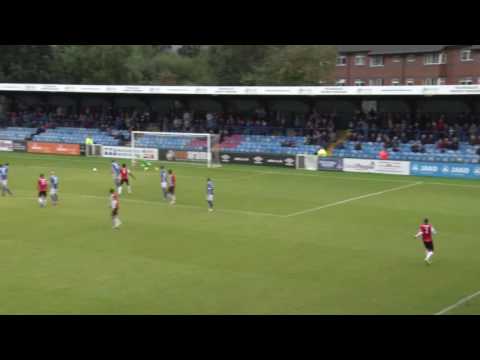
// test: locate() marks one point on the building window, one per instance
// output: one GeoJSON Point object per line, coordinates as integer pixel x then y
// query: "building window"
{"type": "Point", "coordinates": [341, 82]}
{"type": "Point", "coordinates": [359, 83]}
{"type": "Point", "coordinates": [466, 81]}
{"type": "Point", "coordinates": [376, 61]}
{"type": "Point", "coordinates": [435, 59]}
{"type": "Point", "coordinates": [466, 55]}
{"type": "Point", "coordinates": [341, 61]}
{"type": "Point", "coordinates": [410, 82]}
{"type": "Point", "coordinates": [395, 82]}
{"type": "Point", "coordinates": [437, 81]}
{"type": "Point", "coordinates": [411, 58]}
{"type": "Point", "coordinates": [375, 82]}
{"type": "Point", "coordinates": [396, 59]}
{"type": "Point", "coordinates": [360, 60]}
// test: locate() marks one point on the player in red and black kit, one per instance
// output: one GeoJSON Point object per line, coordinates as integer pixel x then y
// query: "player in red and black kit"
{"type": "Point", "coordinates": [42, 186]}
{"type": "Point", "coordinates": [426, 232]}
{"type": "Point", "coordinates": [172, 183]}
{"type": "Point", "coordinates": [124, 173]}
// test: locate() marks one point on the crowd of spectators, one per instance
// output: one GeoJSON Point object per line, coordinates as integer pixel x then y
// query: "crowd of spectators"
{"type": "Point", "coordinates": [105, 118]}
{"type": "Point", "coordinates": [393, 129]}
{"type": "Point", "coordinates": [316, 127]}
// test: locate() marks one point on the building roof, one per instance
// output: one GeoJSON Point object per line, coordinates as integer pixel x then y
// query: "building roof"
{"type": "Point", "coordinates": [395, 49]}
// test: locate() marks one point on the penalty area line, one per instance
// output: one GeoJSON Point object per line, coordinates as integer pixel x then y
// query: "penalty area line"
{"type": "Point", "coordinates": [366, 196]}
{"type": "Point", "coordinates": [458, 304]}
{"type": "Point", "coordinates": [136, 201]}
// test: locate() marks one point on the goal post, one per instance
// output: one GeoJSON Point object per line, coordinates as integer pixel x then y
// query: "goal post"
{"type": "Point", "coordinates": [307, 162]}
{"type": "Point", "coordinates": [187, 147]}
{"type": "Point", "coordinates": [93, 150]}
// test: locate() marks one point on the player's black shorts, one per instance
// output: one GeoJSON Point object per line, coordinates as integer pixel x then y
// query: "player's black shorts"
{"type": "Point", "coordinates": [124, 181]}
{"type": "Point", "coordinates": [115, 212]}
{"type": "Point", "coordinates": [429, 246]}
{"type": "Point", "coordinates": [171, 190]}
{"type": "Point", "coordinates": [42, 194]}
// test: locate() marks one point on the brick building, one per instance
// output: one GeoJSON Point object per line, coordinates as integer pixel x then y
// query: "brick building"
{"type": "Point", "coordinates": [376, 65]}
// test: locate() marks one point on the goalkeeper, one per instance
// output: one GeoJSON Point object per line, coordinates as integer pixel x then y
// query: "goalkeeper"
{"type": "Point", "coordinates": [146, 165]}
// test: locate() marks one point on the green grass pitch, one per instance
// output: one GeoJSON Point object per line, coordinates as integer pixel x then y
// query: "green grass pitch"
{"type": "Point", "coordinates": [280, 242]}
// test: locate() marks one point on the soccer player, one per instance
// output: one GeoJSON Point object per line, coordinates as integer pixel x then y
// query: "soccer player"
{"type": "Point", "coordinates": [4, 179]}
{"type": "Point", "coordinates": [172, 183]}
{"type": "Point", "coordinates": [116, 173]}
{"type": "Point", "coordinates": [42, 191]}
{"type": "Point", "coordinates": [164, 182]}
{"type": "Point", "coordinates": [210, 191]}
{"type": "Point", "coordinates": [54, 188]}
{"type": "Point", "coordinates": [124, 173]}
{"type": "Point", "coordinates": [426, 232]}
{"type": "Point", "coordinates": [115, 206]}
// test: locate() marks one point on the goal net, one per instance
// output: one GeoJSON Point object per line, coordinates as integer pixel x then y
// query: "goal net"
{"type": "Point", "coordinates": [307, 162]}
{"type": "Point", "coordinates": [185, 147]}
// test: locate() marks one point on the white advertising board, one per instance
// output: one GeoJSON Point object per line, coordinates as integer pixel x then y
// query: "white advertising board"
{"type": "Point", "coordinates": [118, 152]}
{"type": "Point", "coordinates": [377, 166]}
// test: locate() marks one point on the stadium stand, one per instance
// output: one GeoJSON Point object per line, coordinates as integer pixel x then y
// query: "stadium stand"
{"type": "Point", "coordinates": [426, 137]}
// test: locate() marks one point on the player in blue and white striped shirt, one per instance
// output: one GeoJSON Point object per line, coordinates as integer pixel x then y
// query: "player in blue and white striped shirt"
{"type": "Point", "coordinates": [164, 182]}
{"type": "Point", "coordinates": [54, 188]}
{"type": "Point", "coordinates": [116, 173]}
{"type": "Point", "coordinates": [4, 179]}
{"type": "Point", "coordinates": [210, 194]}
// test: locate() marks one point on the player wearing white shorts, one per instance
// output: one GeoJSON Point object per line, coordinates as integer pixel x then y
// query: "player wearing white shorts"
{"type": "Point", "coordinates": [116, 174]}
{"type": "Point", "coordinates": [54, 188]}
{"type": "Point", "coordinates": [210, 194]}
{"type": "Point", "coordinates": [164, 182]}
{"type": "Point", "coordinates": [4, 179]}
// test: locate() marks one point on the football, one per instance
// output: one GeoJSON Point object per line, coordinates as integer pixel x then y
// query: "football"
{"type": "Point", "coordinates": [94, 169]}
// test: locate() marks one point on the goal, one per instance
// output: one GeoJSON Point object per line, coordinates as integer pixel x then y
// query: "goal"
{"type": "Point", "coordinates": [185, 147]}
{"type": "Point", "coordinates": [307, 162]}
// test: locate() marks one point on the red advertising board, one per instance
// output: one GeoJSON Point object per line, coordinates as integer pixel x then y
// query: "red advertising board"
{"type": "Point", "coordinates": [51, 148]}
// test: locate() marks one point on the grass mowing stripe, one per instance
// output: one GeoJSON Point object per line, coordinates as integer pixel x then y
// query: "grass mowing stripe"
{"type": "Point", "coordinates": [352, 199]}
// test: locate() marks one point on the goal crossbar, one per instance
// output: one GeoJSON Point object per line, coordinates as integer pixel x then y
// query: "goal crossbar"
{"type": "Point", "coordinates": [212, 147]}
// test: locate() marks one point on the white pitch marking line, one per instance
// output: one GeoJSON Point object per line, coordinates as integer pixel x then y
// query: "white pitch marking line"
{"type": "Point", "coordinates": [254, 213]}
{"type": "Point", "coordinates": [460, 303]}
{"type": "Point", "coordinates": [352, 199]}
{"type": "Point", "coordinates": [454, 185]}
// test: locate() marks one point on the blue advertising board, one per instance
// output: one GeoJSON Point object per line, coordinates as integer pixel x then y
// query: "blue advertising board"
{"type": "Point", "coordinates": [452, 170]}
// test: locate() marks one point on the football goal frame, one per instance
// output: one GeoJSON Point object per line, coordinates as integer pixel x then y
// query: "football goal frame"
{"type": "Point", "coordinates": [211, 151]}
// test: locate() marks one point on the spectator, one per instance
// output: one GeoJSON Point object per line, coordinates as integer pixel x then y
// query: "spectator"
{"type": "Point", "coordinates": [322, 153]}
{"type": "Point", "coordinates": [383, 155]}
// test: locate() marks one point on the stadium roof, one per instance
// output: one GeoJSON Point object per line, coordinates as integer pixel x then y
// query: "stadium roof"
{"type": "Point", "coordinates": [395, 49]}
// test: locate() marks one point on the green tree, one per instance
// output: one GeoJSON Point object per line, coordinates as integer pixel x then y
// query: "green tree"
{"type": "Point", "coordinates": [95, 64]}
{"type": "Point", "coordinates": [190, 50]}
{"type": "Point", "coordinates": [295, 65]}
{"type": "Point", "coordinates": [26, 63]}
{"type": "Point", "coordinates": [231, 63]}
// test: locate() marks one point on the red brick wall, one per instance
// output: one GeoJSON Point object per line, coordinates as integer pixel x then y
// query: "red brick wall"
{"type": "Point", "coordinates": [458, 70]}
{"type": "Point", "coordinates": [453, 71]}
